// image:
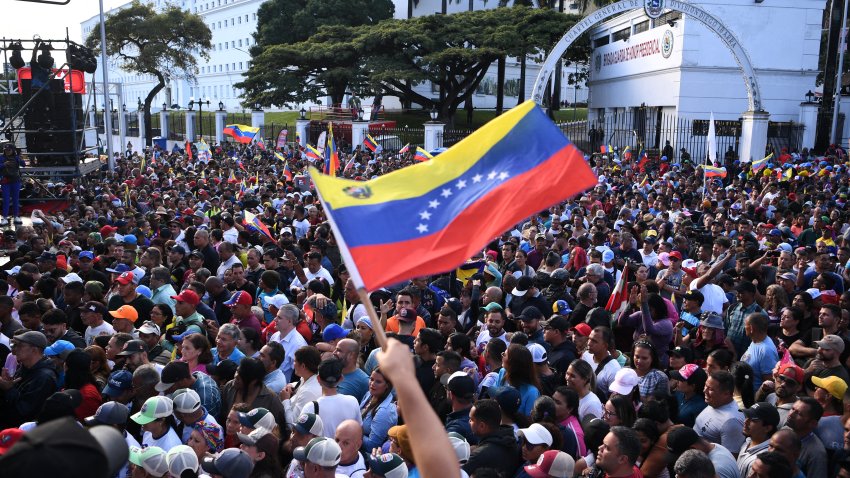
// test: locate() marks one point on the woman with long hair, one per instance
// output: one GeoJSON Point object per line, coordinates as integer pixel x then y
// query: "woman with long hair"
{"type": "Point", "coordinates": [99, 365]}
{"type": "Point", "coordinates": [521, 267]}
{"type": "Point", "coordinates": [650, 321]}
{"type": "Point", "coordinates": [581, 379]}
{"type": "Point", "coordinates": [648, 367]}
{"type": "Point", "coordinates": [566, 413]}
{"type": "Point", "coordinates": [78, 376]}
{"type": "Point", "coordinates": [163, 317]}
{"type": "Point", "coordinates": [378, 411]}
{"type": "Point", "coordinates": [367, 337]}
{"type": "Point", "coordinates": [775, 300]}
{"type": "Point", "coordinates": [195, 350]}
{"type": "Point", "coordinates": [262, 447]}
{"type": "Point", "coordinates": [647, 431]}
{"type": "Point", "coordinates": [518, 372]}
{"type": "Point", "coordinates": [545, 412]}
{"type": "Point", "coordinates": [619, 411]}
{"type": "Point", "coordinates": [744, 393]}
{"type": "Point", "coordinates": [247, 386]}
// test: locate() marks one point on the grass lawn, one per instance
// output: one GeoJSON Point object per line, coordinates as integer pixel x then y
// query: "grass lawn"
{"type": "Point", "coordinates": [415, 118]}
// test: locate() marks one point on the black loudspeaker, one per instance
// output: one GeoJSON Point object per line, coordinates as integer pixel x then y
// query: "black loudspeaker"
{"type": "Point", "coordinates": [54, 124]}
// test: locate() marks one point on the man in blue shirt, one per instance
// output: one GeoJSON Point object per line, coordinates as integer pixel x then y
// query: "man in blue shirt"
{"type": "Point", "coordinates": [271, 356]}
{"type": "Point", "coordinates": [761, 354]}
{"type": "Point", "coordinates": [356, 382]}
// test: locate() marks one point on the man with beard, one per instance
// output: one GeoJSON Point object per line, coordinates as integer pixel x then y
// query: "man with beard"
{"type": "Point", "coordinates": [787, 385]}
{"type": "Point", "coordinates": [495, 326]}
{"type": "Point", "coordinates": [803, 419]}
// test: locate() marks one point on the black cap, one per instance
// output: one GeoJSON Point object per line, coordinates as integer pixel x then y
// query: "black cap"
{"type": "Point", "coordinates": [461, 385]}
{"type": "Point", "coordinates": [330, 370]}
{"type": "Point", "coordinates": [197, 253]}
{"type": "Point", "coordinates": [558, 323]}
{"type": "Point", "coordinates": [178, 249]}
{"type": "Point", "coordinates": [694, 294]}
{"type": "Point", "coordinates": [764, 412]}
{"type": "Point", "coordinates": [93, 306]}
{"type": "Point", "coordinates": [683, 351]}
{"type": "Point", "coordinates": [133, 347]}
{"type": "Point", "coordinates": [680, 439]}
{"type": "Point", "coordinates": [530, 313]}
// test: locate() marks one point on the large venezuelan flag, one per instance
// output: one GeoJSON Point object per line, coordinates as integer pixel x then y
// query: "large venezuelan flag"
{"type": "Point", "coordinates": [331, 156]}
{"type": "Point", "coordinates": [430, 217]}
{"type": "Point", "coordinates": [714, 172]}
{"type": "Point", "coordinates": [241, 133]}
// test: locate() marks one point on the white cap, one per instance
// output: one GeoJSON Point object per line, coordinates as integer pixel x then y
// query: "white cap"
{"type": "Point", "coordinates": [624, 382]}
{"type": "Point", "coordinates": [538, 352]}
{"type": "Point", "coordinates": [278, 300]}
{"type": "Point", "coordinates": [537, 434]}
{"type": "Point", "coordinates": [181, 458]}
{"type": "Point", "coordinates": [186, 400]}
{"type": "Point", "coordinates": [72, 277]}
{"type": "Point", "coordinates": [461, 446]}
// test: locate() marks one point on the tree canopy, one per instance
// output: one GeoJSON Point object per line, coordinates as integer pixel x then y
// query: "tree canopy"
{"type": "Point", "coordinates": [164, 44]}
{"type": "Point", "coordinates": [453, 52]}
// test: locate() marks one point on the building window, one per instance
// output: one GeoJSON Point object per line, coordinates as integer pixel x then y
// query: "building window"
{"type": "Point", "coordinates": [601, 41]}
{"type": "Point", "coordinates": [667, 17]}
{"type": "Point", "coordinates": [240, 65]}
{"type": "Point", "coordinates": [641, 27]}
{"type": "Point", "coordinates": [623, 34]}
{"type": "Point", "coordinates": [240, 42]}
{"type": "Point", "coordinates": [239, 20]}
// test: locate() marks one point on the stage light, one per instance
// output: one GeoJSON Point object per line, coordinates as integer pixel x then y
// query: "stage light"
{"type": "Point", "coordinates": [45, 60]}
{"type": "Point", "coordinates": [16, 60]}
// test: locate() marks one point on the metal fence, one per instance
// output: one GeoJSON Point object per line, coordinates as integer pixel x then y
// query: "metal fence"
{"type": "Point", "coordinates": [116, 117]}
{"type": "Point", "coordinates": [205, 126]}
{"type": "Point", "coordinates": [238, 118]}
{"type": "Point", "coordinates": [342, 134]}
{"type": "Point", "coordinates": [649, 129]}
{"type": "Point", "coordinates": [100, 122]}
{"type": "Point", "coordinates": [156, 129]}
{"type": "Point", "coordinates": [452, 136]}
{"type": "Point", "coordinates": [272, 130]}
{"type": "Point", "coordinates": [176, 127]}
{"type": "Point", "coordinates": [132, 120]}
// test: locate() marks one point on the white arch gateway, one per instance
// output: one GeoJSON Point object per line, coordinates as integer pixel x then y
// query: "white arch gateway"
{"type": "Point", "coordinates": [754, 126]}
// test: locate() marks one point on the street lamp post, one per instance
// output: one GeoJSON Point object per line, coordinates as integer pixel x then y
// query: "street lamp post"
{"type": "Point", "coordinates": [201, 103]}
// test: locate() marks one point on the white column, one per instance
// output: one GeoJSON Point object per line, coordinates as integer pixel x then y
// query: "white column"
{"type": "Point", "coordinates": [302, 127]}
{"type": "Point", "coordinates": [163, 124]}
{"type": "Point", "coordinates": [809, 120]}
{"type": "Point", "coordinates": [753, 135]}
{"type": "Point", "coordinates": [434, 135]}
{"type": "Point", "coordinates": [142, 138]}
{"type": "Point", "coordinates": [258, 120]}
{"type": "Point", "coordinates": [220, 118]}
{"type": "Point", "coordinates": [359, 130]}
{"type": "Point", "coordinates": [122, 130]}
{"type": "Point", "coordinates": [190, 125]}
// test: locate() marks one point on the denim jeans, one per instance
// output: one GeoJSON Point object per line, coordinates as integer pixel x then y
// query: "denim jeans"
{"type": "Point", "coordinates": [11, 196]}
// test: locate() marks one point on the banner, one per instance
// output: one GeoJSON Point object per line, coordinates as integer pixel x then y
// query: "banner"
{"type": "Point", "coordinates": [281, 138]}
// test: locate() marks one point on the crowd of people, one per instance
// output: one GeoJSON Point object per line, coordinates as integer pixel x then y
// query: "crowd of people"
{"type": "Point", "coordinates": [662, 324]}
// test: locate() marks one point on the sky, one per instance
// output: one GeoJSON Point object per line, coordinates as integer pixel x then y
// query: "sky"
{"type": "Point", "coordinates": [26, 19]}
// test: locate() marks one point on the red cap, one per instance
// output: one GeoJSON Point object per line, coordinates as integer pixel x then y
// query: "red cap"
{"type": "Point", "coordinates": [107, 229]}
{"type": "Point", "coordinates": [792, 371]}
{"type": "Point", "coordinates": [582, 329]}
{"type": "Point", "coordinates": [8, 438]}
{"type": "Point", "coordinates": [188, 296]}
{"type": "Point", "coordinates": [188, 212]}
{"type": "Point", "coordinates": [240, 297]}
{"type": "Point", "coordinates": [202, 191]}
{"type": "Point", "coordinates": [125, 278]}
{"type": "Point", "coordinates": [676, 254]}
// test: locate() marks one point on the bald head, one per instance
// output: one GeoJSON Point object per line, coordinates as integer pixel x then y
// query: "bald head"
{"type": "Point", "coordinates": [349, 436]}
{"type": "Point", "coordinates": [493, 294]}
{"type": "Point", "coordinates": [348, 351]}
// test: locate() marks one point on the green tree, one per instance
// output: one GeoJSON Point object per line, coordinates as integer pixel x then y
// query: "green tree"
{"type": "Point", "coordinates": [163, 44]}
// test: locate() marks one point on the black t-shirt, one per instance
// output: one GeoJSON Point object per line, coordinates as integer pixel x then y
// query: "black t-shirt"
{"type": "Point", "coordinates": [425, 373]}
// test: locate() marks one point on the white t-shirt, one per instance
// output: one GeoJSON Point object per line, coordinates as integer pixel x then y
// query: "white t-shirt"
{"type": "Point", "coordinates": [335, 409]}
{"type": "Point", "coordinates": [484, 337]}
{"type": "Point", "coordinates": [354, 470]}
{"type": "Point", "coordinates": [590, 405]}
{"type": "Point", "coordinates": [714, 297]}
{"type": "Point", "coordinates": [606, 375]}
{"type": "Point", "coordinates": [302, 227]}
{"type": "Point", "coordinates": [231, 235]}
{"type": "Point", "coordinates": [103, 329]}
{"type": "Point", "coordinates": [226, 265]}
{"type": "Point", "coordinates": [321, 273]}
{"type": "Point", "coordinates": [166, 442]}
{"type": "Point", "coordinates": [724, 463]}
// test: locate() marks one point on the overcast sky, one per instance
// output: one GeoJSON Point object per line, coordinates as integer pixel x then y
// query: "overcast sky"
{"type": "Point", "coordinates": [25, 19]}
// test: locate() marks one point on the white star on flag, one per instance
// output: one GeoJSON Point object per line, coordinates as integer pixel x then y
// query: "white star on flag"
{"type": "Point", "coordinates": [422, 228]}
{"type": "Point", "coordinates": [477, 178]}
{"type": "Point", "coordinates": [425, 215]}
{"type": "Point", "coordinates": [503, 175]}
{"type": "Point", "coordinates": [433, 204]}
{"type": "Point", "coordinates": [492, 175]}
{"type": "Point", "coordinates": [461, 184]}
{"type": "Point", "coordinates": [446, 193]}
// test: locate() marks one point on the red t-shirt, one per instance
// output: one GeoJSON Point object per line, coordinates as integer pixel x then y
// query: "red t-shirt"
{"type": "Point", "coordinates": [91, 401]}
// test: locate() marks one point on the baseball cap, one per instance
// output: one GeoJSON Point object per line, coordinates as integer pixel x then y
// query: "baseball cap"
{"type": "Point", "coordinates": [764, 412]}
{"type": "Point", "coordinates": [831, 342]}
{"type": "Point", "coordinates": [388, 465]}
{"type": "Point", "coordinates": [333, 332]}
{"type": "Point", "coordinates": [257, 418]}
{"type": "Point", "coordinates": [149, 328]}
{"type": "Point", "coordinates": [125, 312]}
{"type": "Point", "coordinates": [792, 371]}
{"type": "Point", "coordinates": [153, 409]}
{"type": "Point", "coordinates": [31, 337]}
{"type": "Point", "coordinates": [231, 463]}
{"type": "Point", "coordinates": [407, 314]}
{"type": "Point", "coordinates": [836, 386]}
{"type": "Point", "coordinates": [186, 400]}
{"type": "Point", "coordinates": [813, 292]}
{"type": "Point", "coordinates": [508, 397]}
{"type": "Point", "coordinates": [178, 250]}
{"type": "Point", "coordinates": [558, 323]}
{"type": "Point", "coordinates": [624, 382]}
{"type": "Point", "coordinates": [684, 352]}
{"type": "Point", "coordinates": [197, 253]}
{"type": "Point", "coordinates": [522, 285]}
{"type": "Point", "coordinates": [561, 307]}
{"type": "Point", "coordinates": [554, 463]}
{"type": "Point", "coordinates": [119, 269]}
{"type": "Point", "coordinates": [86, 255]}
{"type": "Point", "coordinates": [537, 434]}
{"type": "Point", "coordinates": [679, 439]}
{"type": "Point", "coordinates": [119, 382]}
{"type": "Point", "coordinates": [188, 296]}
{"type": "Point", "coordinates": [582, 329]}
{"type": "Point", "coordinates": [110, 413]}
{"type": "Point", "coordinates": [253, 437]}
{"type": "Point", "coordinates": [171, 374]}
{"type": "Point", "coordinates": [788, 276]}
{"type": "Point", "coordinates": [181, 458]}
{"type": "Point", "coordinates": [320, 451]}
{"type": "Point", "coordinates": [530, 313]}
{"type": "Point", "coordinates": [93, 306]}
{"type": "Point", "coordinates": [107, 229]}
{"type": "Point", "coordinates": [402, 436]}
{"type": "Point", "coordinates": [130, 240]}
{"type": "Point", "coordinates": [8, 438]}
{"type": "Point", "coordinates": [278, 300]}
{"type": "Point", "coordinates": [694, 294]}
{"type": "Point", "coordinates": [240, 297]}
{"type": "Point", "coordinates": [675, 255]}
{"type": "Point", "coordinates": [309, 424]}
{"type": "Point", "coordinates": [151, 458]}
{"type": "Point", "coordinates": [330, 370]}
{"type": "Point", "coordinates": [125, 278]}
{"type": "Point", "coordinates": [490, 307]}
{"type": "Point", "coordinates": [134, 346]}
{"type": "Point", "coordinates": [72, 277]}
{"type": "Point", "coordinates": [60, 348]}
{"type": "Point", "coordinates": [461, 446]}
{"type": "Point", "coordinates": [538, 352]}
{"type": "Point", "coordinates": [689, 373]}
{"type": "Point", "coordinates": [607, 255]}
{"type": "Point", "coordinates": [461, 385]}
{"type": "Point", "coordinates": [47, 256]}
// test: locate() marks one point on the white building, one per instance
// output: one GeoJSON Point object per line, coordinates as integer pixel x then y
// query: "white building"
{"type": "Point", "coordinates": [678, 66]}
{"type": "Point", "coordinates": [233, 22]}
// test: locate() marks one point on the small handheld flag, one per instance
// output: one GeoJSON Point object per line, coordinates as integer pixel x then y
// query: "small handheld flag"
{"type": "Point", "coordinates": [422, 155]}
{"type": "Point", "coordinates": [714, 172]}
{"type": "Point", "coordinates": [252, 221]}
{"type": "Point", "coordinates": [370, 143]}
{"type": "Point", "coordinates": [331, 156]}
{"type": "Point", "coordinates": [404, 149]}
{"type": "Point", "coordinates": [761, 163]}
{"type": "Point", "coordinates": [312, 153]}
